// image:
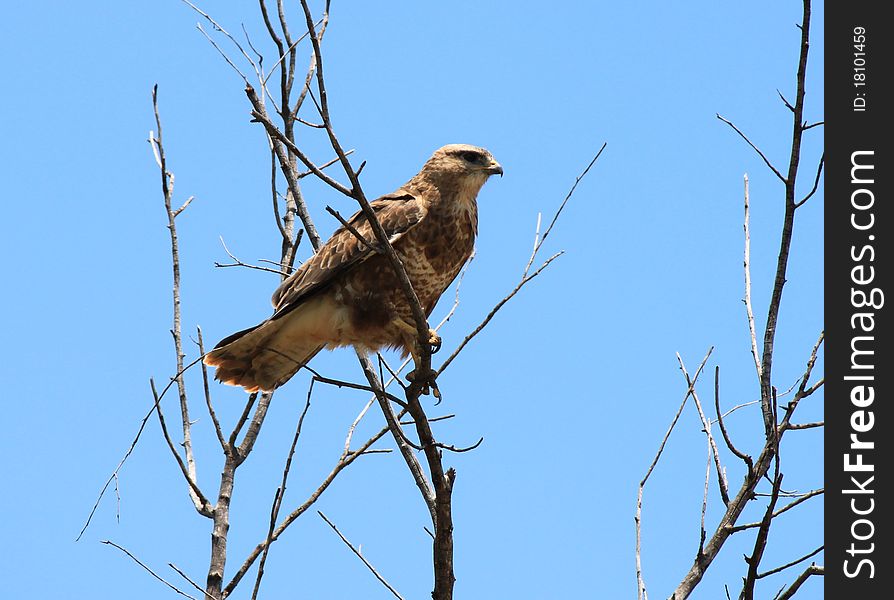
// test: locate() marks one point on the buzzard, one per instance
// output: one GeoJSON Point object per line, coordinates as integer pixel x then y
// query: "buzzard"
{"type": "Point", "coordinates": [347, 294]}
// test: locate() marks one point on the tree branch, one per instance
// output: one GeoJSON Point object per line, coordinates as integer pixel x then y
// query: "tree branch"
{"type": "Point", "coordinates": [147, 569]}
{"type": "Point", "coordinates": [360, 556]}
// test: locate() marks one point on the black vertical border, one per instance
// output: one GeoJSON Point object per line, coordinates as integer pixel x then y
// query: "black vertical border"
{"type": "Point", "coordinates": [858, 121]}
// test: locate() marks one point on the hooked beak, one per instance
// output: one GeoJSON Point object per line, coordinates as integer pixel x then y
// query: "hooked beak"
{"type": "Point", "coordinates": [494, 169]}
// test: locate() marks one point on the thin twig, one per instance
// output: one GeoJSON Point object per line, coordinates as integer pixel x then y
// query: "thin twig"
{"type": "Point", "coordinates": [237, 428]}
{"type": "Point", "coordinates": [763, 533]}
{"type": "Point", "coordinates": [577, 180]}
{"type": "Point", "coordinates": [496, 309]}
{"type": "Point", "coordinates": [147, 569]}
{"type": "Point", "coordinates": [790, 564]}
{"type": "Point", "coordinates": [345, 460]}
{"type": "Point", "coordinates": [804, 576]}
{"type": "Point", "coordinates": [325, 165]}
{"type": "Point", "coordinates": [789, 506]}
{"type": "Point", "coordinates": [364, 243]}
{"type": "Point", "coordinates": [217, 429]}
{"type": "Point", "coordinates": [189, 580]}
{"type": "Point", "coordinates": [130, 449]}
{"type": "Point", "coordinates": [819, 173]}
{"type": "Point", "coordinates": [726, 438]}
{"type": "Point", "coordinates": [203, 506]}
{"type": "Point", "coordinates": [281, 491]}
{"type": "Point", "coordinates": [167, 186]}
{"type": "Point", "coordinates": [239, 263]}
{"type": "Point", "coordinates": [706, 424]}
{"type": "Point", "coordinates": [220, 29]}
{"type": "Point", "coordinates": [749, 312]}
{"type": "Point", "coordinates": [772, 429]}
{"type": "Point", "coordinates": [641, 593]}
{"type": "Point", "coordinates": [526, 275]}
{"type": "Point", "coordinates": [360, 556]}
{"type": "Point", "coordinates": [452, 448]}
{"type": "Point", "coordinates": [354, 386]}
{"type": "Point", "coordinates": [702, 534]}
{"type": "Point", "coordinates": [756, 149]}
{"type": "Point", "coordinates": [788, 223]}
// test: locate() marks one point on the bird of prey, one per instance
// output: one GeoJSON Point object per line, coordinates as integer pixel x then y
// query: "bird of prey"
{"type": "Point", "coordinates": [347, 294]}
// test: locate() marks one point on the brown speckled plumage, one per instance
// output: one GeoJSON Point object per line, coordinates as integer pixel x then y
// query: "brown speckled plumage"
{"type": "Point", "coordinates": [347, 294]}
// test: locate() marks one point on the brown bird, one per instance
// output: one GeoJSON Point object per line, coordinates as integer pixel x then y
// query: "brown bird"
{"type": "Point", "coordinates": [347, 294]}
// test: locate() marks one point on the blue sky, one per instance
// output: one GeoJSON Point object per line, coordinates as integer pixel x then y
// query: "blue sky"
{"type": "Point", "coordinates": [572, 385]}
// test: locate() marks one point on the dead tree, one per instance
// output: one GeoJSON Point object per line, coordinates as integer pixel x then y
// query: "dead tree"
{"type": "Point", "coordinates": [765, 470]}
{"type": "Point", "coordinates": [277, 97]}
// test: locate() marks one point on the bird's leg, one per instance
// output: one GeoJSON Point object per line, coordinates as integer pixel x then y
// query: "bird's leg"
{"type": "Point", "coordinates": [427, 380]}
{"type": "Point", "coordinates": [429, 383]}
{"type": "Point", "coordinates": [434, 340]}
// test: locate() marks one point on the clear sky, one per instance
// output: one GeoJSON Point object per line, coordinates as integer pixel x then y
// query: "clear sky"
{"type": "Point", "coordinates": [572, 385]}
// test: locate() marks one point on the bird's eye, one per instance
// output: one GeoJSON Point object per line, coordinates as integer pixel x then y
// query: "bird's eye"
{"type": "Point", "coordinates": [472, 157]}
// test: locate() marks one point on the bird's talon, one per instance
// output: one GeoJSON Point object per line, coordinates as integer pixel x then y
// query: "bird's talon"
{"type": "Point", "coordinates": [434, 341]}
{"type": "Point", "coordinates": [429, 378]}
{"type": "Point", "coordinates": [436, 391]}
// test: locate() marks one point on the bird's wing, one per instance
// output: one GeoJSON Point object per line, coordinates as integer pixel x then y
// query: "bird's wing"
{"type": "Point", "coordinates": [398, 213]}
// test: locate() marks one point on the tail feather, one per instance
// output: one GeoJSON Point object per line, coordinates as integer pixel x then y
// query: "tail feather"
{"type": "Point", "coordinates": [264, 357]}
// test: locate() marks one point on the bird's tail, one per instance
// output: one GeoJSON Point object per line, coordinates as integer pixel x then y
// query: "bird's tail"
{"type": "Point", "coordinates": [261, 358]}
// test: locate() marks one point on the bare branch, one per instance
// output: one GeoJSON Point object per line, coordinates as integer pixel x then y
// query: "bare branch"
{"type": "Point", "coordinates": [787, 229]}
{"type": "Point", "coordinates": [787, 507]}
{"type": "Point", "coordinates": [526, 276]}
{"type": "Point", "coordinates": [803, 392]}
{"type": "Point", "coordinates": [702, 534]}
{"type": "Point", "coordinates": [763, 532]}
{"type": "Point", "coordinates": [189, 580]}
{"type": "Point", "coordinates": [494, 311]}
{"type": "Point", "coordinates": [706, 424]}
{"type": "Point", "coordinates": [577, 180]}
{"type": "Point", "coordinates": [813, 388]}
{"type": "Point", "coordinates": [238, 263]}
{"type": "Point", "coordinates": [360, 556]}
{"type": "Point", "coordinates": [221, 52]}
{"type": "Point", "coordinates": [453, 448]}
{"type": "Point", "coordinates": [354, 386]}
{"type": "Point", "coordinates": [277, 500]}
{"type": "Point", "coordinates": [183, 206]}
{"type": "Point", "coordinates": [344, 461]}
{"type": "Point", "coordinates": [729, 443]}
{"type": "Point", "coordinates": [363, 241]}
{"type": "Point", "coordinates": [749, 312]}
{"type": "Point", "coordinates": [130, 449]}
{"type": "Point", "coordinates": [640, 582]}
{"type": "Point", "coordinates": [217, 430]}
{"type": "Point", "coordinates": [203, 506]}
{"type": "Point", "coordinates": [277, 140]}
{"type": "Point", "coordinates": [254, 426]}
{"type": "Point", "coordinates": [756, 149]}
{"type": "Point", "coordinates": [790, 591]}
{"type": "Point", "coordinates": [147, 569]}
{"type": "Point", "coordinates": [786, 102]}
{"type": "Point", "coordinates": [819, 173]}
{"type": "Point", "coordinates": [249, 404]}
{"type": "Point", "coordinates": [403, 444]}
{"type": "Point", "coordinates": [325, 165]}
{"type": "Point", "coordinates": [167, 185]}
{"type": "Point", "coordinates": [217, 27]}
{"type": "Point", "coordinates": [281, 491]}
{"type": "Point", "coordinates": [260, 114]}
{"type": "Point", "coordinates": [790, 564]}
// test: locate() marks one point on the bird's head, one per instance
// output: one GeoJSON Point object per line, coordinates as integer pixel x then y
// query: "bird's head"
{"type": "Point", "coordinates": [463, 165]}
